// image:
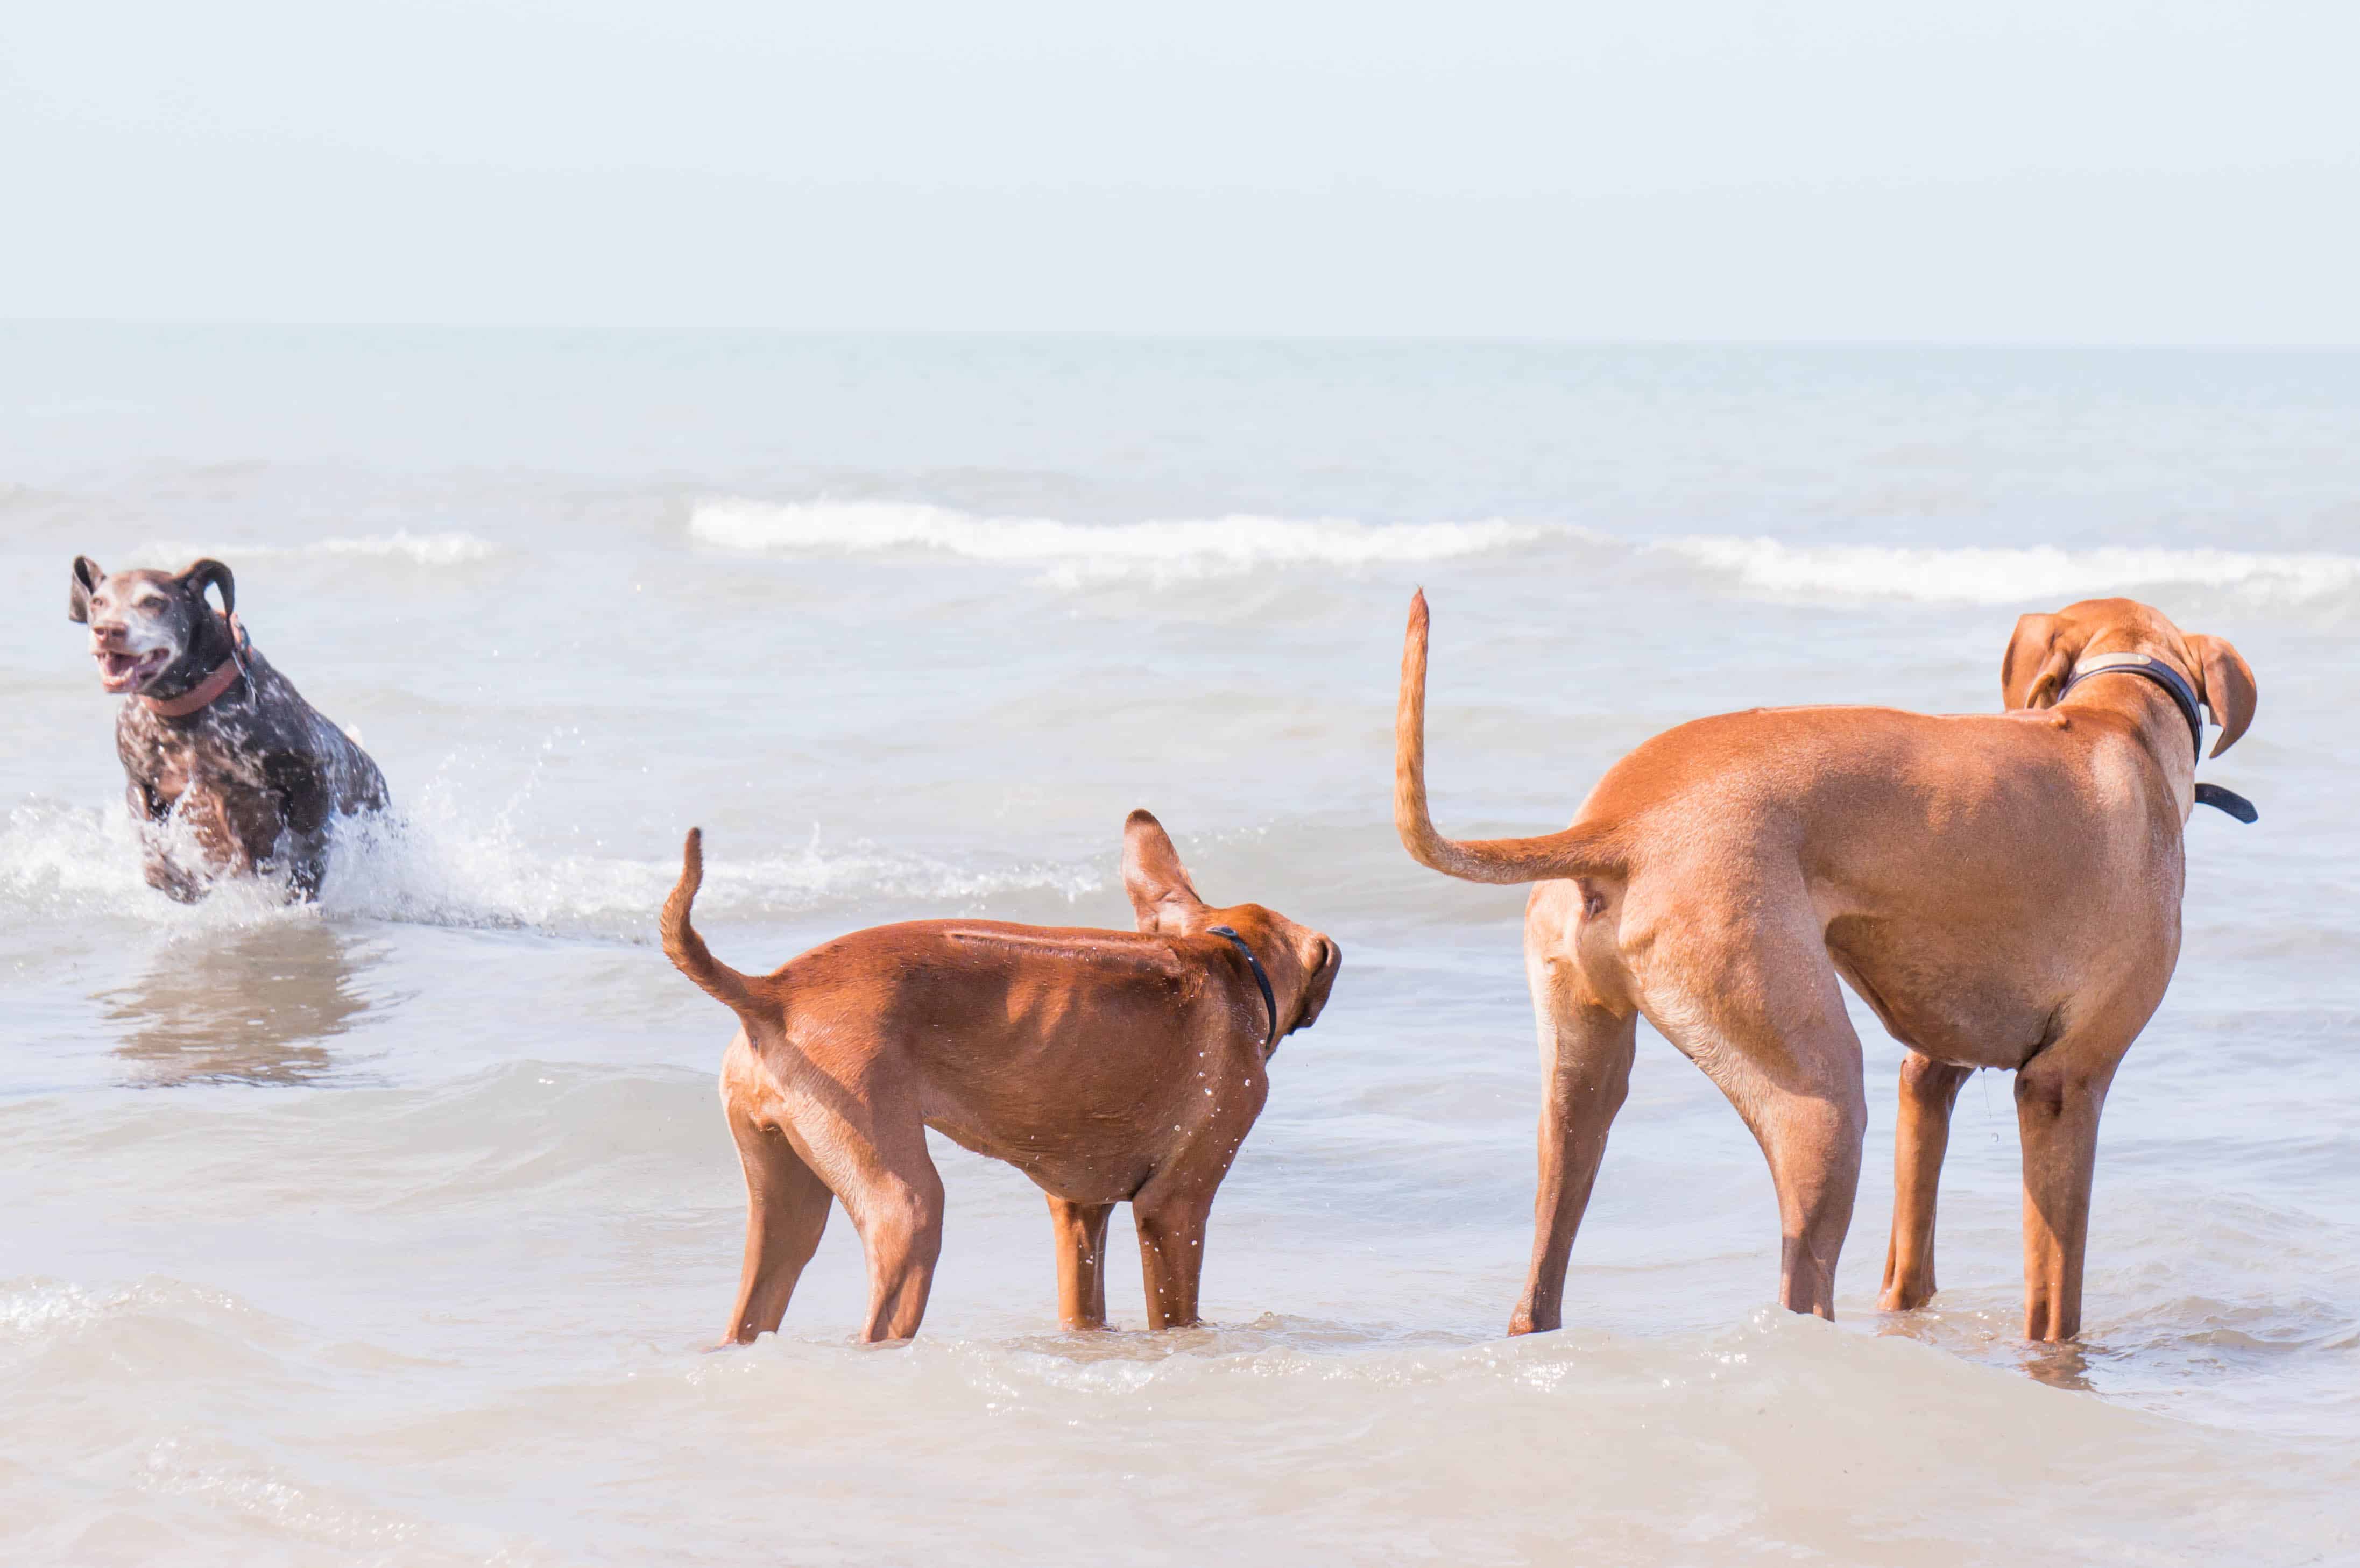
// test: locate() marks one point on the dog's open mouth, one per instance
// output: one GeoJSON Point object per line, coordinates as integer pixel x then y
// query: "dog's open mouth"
{"type": "Point", "coordinates": [119, 673]}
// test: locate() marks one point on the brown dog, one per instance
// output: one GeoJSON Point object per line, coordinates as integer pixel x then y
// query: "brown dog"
{"type": "Point", "coordinates": [1108, 1066]}
{"type": "Point", "coordinates": [214, 735]}
{"type": "Point", "coordinates": [2004, 891]}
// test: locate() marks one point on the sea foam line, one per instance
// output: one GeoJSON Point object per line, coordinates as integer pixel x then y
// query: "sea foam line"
{"type": "Point", "coordinates": [1076, 553]}
{"type": "Point", "coordinates": [449, 548]}
{"type": "Point", "coordinates": [1973, 574]}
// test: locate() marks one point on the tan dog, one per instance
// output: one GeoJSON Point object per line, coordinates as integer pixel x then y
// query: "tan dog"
{"type": "Point", "coordinates": [1109, 1066]}
{"type": "Point", "coordinates": [2004, 891]}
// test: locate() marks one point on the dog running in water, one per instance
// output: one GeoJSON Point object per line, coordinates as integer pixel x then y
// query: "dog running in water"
{"type": "Point", "coordinates": [1109, 1066]}
{"type": "Point", "coordinates": [214, 737]}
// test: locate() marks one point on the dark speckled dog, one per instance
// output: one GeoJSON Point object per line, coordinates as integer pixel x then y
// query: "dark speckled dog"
{"type": "Point", "coordinates": [213, 735]}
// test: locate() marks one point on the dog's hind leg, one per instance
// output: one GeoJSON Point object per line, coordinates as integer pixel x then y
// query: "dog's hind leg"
{"type": "Point", "coordinates": [1812, 1139]}
{"type": "Point", "coordinates": [1921, 1132]}
{"type": "Point", "coordinates": [1081, 1261]}
{"type": "Point", "coordinates": [786, 1209]}
{"type": "Point", "coordinates": [1586, 1049]}
{"type": "Point", "coordinates": [895, 1198]}
{"type": "Point", "coordinates": [1757, 1006]}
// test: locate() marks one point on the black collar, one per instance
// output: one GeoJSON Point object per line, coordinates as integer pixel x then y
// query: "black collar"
{"type": "Point", "coordinates": [2183, 697]}
{"type": "Point", "coordinates": [1269, 1004]}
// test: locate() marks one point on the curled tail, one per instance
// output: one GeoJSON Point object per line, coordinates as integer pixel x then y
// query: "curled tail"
{"type": "Point", "coordinates": [686, 948]}
{"type": "Point", "coordinates": [1578, 851]}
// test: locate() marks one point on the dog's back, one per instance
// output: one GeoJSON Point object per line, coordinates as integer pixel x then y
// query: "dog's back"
{"type": "Point", "coordinates": [1023, 1042]}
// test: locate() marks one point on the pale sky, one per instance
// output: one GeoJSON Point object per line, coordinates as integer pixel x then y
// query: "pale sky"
{"type": "Point", "coordinates": [2076, 170]}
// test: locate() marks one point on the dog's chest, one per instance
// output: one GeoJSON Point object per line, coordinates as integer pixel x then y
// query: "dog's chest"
{"type": "Point", "coordinates": [171, 763]}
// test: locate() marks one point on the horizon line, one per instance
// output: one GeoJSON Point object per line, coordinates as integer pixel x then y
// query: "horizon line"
{"type": "Point", "coordinates": [1167, 334]}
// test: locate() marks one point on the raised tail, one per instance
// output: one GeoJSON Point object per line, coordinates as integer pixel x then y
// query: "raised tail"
{"type": "Point", "coordinates": [686, 948]}
{"type": "Point", "coordinates": [1578, 851]}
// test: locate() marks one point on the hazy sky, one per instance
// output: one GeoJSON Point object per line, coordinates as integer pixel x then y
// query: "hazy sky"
{"type": "Point", "coordinates": [2076, 170]}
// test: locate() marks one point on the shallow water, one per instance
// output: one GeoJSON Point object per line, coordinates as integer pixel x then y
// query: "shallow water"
{"type": "Point", "coordinates": [391, 1231]}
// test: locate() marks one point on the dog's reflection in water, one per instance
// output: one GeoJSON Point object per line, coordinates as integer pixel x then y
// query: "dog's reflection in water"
{"type": "Point", "coordinates": [1982, 1333]}
{"type": "Point", "coordinates": [250, 1006]}
{"type": "Point", "coordinates": [2065, 1365]}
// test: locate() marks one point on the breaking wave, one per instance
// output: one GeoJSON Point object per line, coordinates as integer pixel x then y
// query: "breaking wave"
{"type": "Point", "coordinates": [444, 548]}
{"type": "Point", "coordinates": [1075, 555]}
{"type": "Point", "coordinates": [1997, 575]}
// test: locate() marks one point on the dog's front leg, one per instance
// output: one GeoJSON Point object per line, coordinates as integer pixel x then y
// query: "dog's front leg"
{"type": "Point", "coordinates": [151, 810]}
{"type": "Point", "coordinates": [166, 874]}
{"type": "Point", "coordinates": [1171, 1223]}
{"type": "Point", "coordinates": [1921, 1132]}
{"type": "Point", "coordinates": [167, 878]}
{"type": "Point", "coordinates": [306, 859]}
{"type": "Point", "coordinates": [304, 806]}
{"type": "Point", "coordinates": [1080, 1230]}
{"type": "Point", "coordinates": [2059, 1095]}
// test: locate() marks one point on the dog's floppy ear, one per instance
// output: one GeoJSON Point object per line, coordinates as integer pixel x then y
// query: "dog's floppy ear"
{"type": "Point", "coordinates": [2039, 657]}
{"type": "Point", "coordinates": [1315, 997]}
{"type": "Point", "coordinates": [2228, 683]}
{"type": "Point", "coordinates": [209, 573]}
{"type": "Point", "coordinates": [86, 579]}
{"type": "Point", "coordinates": [1161, 894]}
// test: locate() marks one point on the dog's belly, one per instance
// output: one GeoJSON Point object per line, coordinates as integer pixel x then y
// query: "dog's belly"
{"type": "Point", "coordinates": [1091, 1135]}
{"type": "Point", "coordinates": [1952, 1000]}
{"type": "Point", "coordinates": [1070, 1165]}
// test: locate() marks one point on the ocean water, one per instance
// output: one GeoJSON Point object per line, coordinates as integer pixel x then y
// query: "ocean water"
{"type": "Point", "coordinates": [393, 1231]}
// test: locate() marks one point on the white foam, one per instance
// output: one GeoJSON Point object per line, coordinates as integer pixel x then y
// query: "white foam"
{"type": "Point", "coordinates": [449, 548]}
{"type": "Point", "coordinates": [32, 1307]}
{"type": "Point", "coordinates": [1075, 554]}
{"type": "Point", "coordinates": [58, 859]}
{"type": "Point", "coordinates": [442, 861]}
{"type": "Point", "coordinates": [2000, 575]}
{"type": "Point", "coordinates": [432, 867]}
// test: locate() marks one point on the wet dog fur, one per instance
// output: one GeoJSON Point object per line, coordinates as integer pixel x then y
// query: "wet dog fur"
{"type": "Point", "coordinates": [1108, 1066]}
{"type": "Point", "coordinates": [257, 777]}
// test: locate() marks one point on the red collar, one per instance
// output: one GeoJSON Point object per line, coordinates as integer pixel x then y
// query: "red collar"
{"type": "Point", "coordinates": [205, 693]}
